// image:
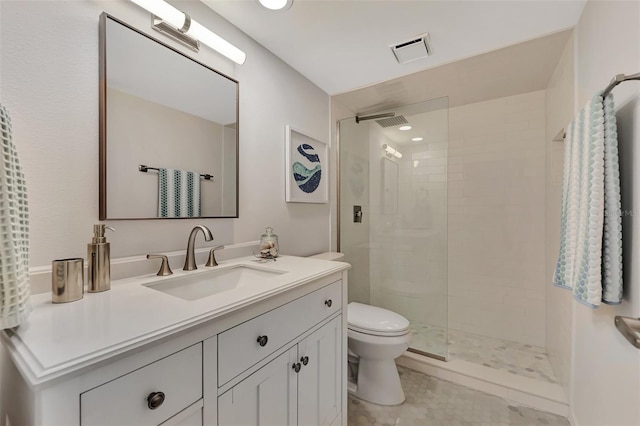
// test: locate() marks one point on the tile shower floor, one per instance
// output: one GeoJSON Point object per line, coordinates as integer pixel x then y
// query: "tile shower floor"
{"type": "Point", "coordinates": [516, 358]}
{"type": "Point", "coordinates": [432, 401]}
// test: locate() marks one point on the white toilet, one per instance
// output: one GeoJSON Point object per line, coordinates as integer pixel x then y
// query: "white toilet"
{"type": "Point", "coordinates": [376, 338]}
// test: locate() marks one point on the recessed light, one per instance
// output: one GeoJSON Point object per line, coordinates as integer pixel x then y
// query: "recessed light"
{"type": "Point", "coordinates": [404, 128]}
{"type": "Point", "coordinates": [276, 5]}
{"type": "Point", "coordinates": [416, 139]}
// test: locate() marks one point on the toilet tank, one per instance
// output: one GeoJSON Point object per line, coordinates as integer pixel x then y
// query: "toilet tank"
{"type": "Point", "coordinates": [329, 255]}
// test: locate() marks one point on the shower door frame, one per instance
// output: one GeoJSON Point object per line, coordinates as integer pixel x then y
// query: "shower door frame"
{"type": "Point", "coordinates": [338, 226]}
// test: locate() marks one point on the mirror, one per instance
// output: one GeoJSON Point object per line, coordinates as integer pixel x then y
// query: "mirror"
{"type": "Point", "coordinates": [168, 131]}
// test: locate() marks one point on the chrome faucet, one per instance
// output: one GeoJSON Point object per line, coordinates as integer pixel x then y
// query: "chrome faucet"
{"type": "Point", "coordinates": [190, 261]}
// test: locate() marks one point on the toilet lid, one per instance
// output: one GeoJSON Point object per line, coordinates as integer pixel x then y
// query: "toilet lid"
{"type": "Point", "coordinates": [377, 321]}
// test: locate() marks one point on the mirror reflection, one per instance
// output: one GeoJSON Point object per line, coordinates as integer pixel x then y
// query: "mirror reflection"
{"type": "Point", "coordinates": [169, 139]}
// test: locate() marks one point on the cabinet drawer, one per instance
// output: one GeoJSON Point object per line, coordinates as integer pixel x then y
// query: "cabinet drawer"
{"type": "Point", "coordinates": [190, 416]}
{"type": "Point", "coordinates": [239, 348]}
{"type": "Point", "coordinates": [124, 401]}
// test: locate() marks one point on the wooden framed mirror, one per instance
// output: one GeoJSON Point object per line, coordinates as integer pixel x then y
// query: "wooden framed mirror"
{"type": "Point", "coordinates": [168, 131]}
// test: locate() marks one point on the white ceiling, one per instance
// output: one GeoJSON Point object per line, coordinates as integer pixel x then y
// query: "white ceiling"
{"type": "Point", "coordinates": [521, 68]}
{"type": "Point", "coordinates": [343, 45]}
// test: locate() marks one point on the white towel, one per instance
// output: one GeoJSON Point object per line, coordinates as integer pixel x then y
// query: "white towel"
{"type": "Point", "coordinates": [590, 259]}
{"type": "Point", "coordinates": [178, 193]}
{"type": "Point", "coordinates": [14, 233]}
{"type": "Point", "coordinates": [612, 238]}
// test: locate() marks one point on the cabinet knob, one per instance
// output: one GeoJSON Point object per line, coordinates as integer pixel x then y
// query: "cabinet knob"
{"type": "Point", "coordinates": [262, 340]}
{"type": "Point", "coordinates": [304, 360]}
{"type": "Point", "coordinates": [297, 367]}
{"type": "Point", "coordinates": [328, 302]}
{"type": "Point", "coordinates": [155, 399]}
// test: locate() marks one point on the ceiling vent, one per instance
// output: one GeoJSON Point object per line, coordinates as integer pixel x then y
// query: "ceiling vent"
{"type": "Point", "coordinates": [412, 50]}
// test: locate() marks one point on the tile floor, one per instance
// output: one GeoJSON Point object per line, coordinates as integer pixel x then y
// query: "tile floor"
{"type": "Point", "coordinates": [516, 358]}
{"type": "Point", "coordinates": [435, 402]}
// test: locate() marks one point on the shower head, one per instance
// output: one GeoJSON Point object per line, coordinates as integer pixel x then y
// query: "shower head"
{"type": "Point", "coordinates": [360, 118]}
{"type": "Point", "coordinates": [393, 121]}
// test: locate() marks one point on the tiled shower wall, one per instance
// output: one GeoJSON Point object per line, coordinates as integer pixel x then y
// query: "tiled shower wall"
{"type": "Point", "coordinates": [496, 173]}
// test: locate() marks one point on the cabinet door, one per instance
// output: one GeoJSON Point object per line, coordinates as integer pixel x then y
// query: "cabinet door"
{"type": "Point", "coordinates": [319, 393]}
{"type": "Point", "coordinates": [267, 398]}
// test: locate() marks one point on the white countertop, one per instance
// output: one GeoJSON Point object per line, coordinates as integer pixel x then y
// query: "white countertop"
{"type": "Point", "coordinates": [60, 338]}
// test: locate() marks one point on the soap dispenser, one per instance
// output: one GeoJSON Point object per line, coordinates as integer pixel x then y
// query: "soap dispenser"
{"type": "Point", "coordinates": [99, 260]}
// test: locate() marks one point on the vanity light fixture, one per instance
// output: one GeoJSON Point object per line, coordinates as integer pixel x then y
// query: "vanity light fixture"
{"type": "Point", "coordinates": [390, 151]}
{"type": "Point", "coordinates": [404, 128]}
{"type": "Point", "coordinates": [276, 5]}
{"type": "Point", "coordinates": [416, 139]}
{"type": "Point", "coordinates": [180, 26]}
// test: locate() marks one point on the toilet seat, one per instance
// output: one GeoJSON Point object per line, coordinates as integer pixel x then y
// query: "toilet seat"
{"type": "Point", "coordinates": [379, 333]}
{"type": "Point", "coordinates": [375, 321]}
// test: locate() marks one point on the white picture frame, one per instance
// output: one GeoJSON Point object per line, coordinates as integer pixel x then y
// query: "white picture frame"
{"type": "Point", "coordinates": [306, 168]}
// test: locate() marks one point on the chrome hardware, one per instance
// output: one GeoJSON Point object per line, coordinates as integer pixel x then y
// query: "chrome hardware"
{"type": "Point", "coordinates": [304, 360]}
{"type": "Point", "coordinates": [176, 33]}
{"type": "Point", "coordinates": [145, 169]}
{"type": "Point", "coordinates": [630, 329]}
{"type": "Point", "coordinates": [67, 280]}
{"type": "Point", "coordinates": [99, 260]}
{"type": "Point", "coordinates": [617, 80]}
{"type": "Point", "coordinates": [357, 214]}
{"type": "Point", "coordinates": [374, 117]}
{"type": "Point", "coordinates": [297, 367]}
{"type": "Point", "coordinates": [212, 257]}
{"type": "Point", "coordinates": [328, 303]}
{"type": "Point", "coordinates": [165, 269]}
{"type": "Point", "coordinates": [190, 260]}
{"type": "Point", "coordinates": [155, 399]}
{"type": "Point", "coordinates": [262, 340]}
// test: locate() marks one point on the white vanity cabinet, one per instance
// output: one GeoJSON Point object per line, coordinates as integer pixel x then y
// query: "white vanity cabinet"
{"type": "Point", "coordinates": [319, 380]}
{"type": "Point", "coordinates": [267, 397]}
{"type": "Point", "coordinates": [148, 396]}
{"type": "Point", "coordinates": [301, 386]}
{"type": "Point", "coordinates": [277, 360]}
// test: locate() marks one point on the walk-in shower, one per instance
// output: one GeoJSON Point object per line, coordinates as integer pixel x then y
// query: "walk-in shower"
{"type": "Point", "coordinates": [393, 215]}
{"type": "Point", "coordinates": [442, 215]}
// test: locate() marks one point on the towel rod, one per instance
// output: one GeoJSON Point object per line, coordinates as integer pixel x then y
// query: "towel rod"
{"type": "Point", "coordinates": [145, 169]}
{"type": "Point", "coordinates": [617, 80]}
{"type": "Point", "coordinates": [614, 82]}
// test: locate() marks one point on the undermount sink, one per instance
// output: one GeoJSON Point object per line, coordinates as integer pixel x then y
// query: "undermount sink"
{"type": "Point", "coordinates": [199, 285]}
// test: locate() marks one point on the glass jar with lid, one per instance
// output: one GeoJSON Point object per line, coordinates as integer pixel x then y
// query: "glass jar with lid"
{"type": "Point", "coordinates": [269, 244]}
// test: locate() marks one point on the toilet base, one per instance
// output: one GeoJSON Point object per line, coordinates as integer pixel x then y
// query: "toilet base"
{"type": "Point", "coordinates": [378, 383]}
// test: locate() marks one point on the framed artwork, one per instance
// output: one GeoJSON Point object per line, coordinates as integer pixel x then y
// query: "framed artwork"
{"type": "Point", "coordinates": [307, 168]}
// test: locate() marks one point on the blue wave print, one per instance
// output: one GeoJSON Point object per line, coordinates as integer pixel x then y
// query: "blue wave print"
{"type": "Point", "coordinates": [311, 157]}
{"type": "Point", "coordinates": [307, 180]}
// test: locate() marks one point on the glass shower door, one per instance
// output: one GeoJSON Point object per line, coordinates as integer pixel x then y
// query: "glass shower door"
{"type": "Point", "coordinates": [398, 178]}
